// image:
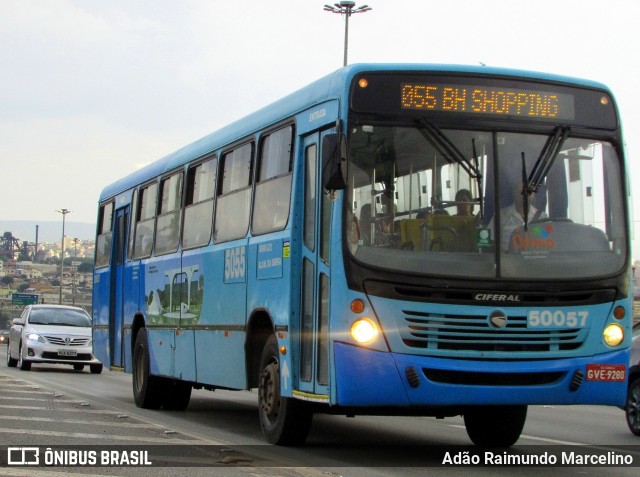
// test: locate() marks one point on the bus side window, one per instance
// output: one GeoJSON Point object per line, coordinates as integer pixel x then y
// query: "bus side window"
{"type": "Point", "coordinates": [273, 191]}
{"type": "Point", "coordinates": [145, 221]}
{"type": "Point", "coordinates": [104, 242]}
{"type": "Point", "coordinates": [198, 212]}
{"type": "Point", "coordinates": [168, 227]}
{"type": "Point", "coordinates": [234, 194]}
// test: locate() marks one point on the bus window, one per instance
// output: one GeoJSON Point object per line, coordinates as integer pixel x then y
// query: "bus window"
{"type": "Point", "coordinates": [132, 225]}
{"type": "Point", "coordinates": [104, 242]}
{"type": "Point", "coordinates": [145, 218]}
{"type": "Point", "coordinates": [198, 213]}
{"type": "Point", "coordinates": [232, 211]}
{"type": "Point", "coordinates": [168, 228]}
{"type": "Point", "coordinates": [273, 191]}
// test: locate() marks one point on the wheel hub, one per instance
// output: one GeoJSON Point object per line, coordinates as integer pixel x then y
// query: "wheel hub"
{"type": "Point", "coordinates": [270, 390]}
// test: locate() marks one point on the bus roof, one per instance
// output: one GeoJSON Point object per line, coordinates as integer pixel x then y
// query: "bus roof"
{"type": "Point", "coordinates": [329, 87]}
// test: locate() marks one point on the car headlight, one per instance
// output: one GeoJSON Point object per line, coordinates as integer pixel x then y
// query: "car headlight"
{"type": "Point", "coordinates": [35, 337]}
{"type": "Point", "coordinates": [613, 334]}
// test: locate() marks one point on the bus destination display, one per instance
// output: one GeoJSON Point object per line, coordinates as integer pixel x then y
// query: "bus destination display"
{"type": "Point", "coordinates": [487, 100]}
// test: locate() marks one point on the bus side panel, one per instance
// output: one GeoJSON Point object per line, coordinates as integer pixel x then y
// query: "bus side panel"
{"type": "Point", "coordinates": [220, 358]}
{"type": "Point", "coordinates": [219, 339]}
{"type": "Point", "coordinates": [100, 312]}
{"type": "Point", "coordinates": [269, 289]}
{"type": "Point", "coordinates": [163, 302]}
{"type": "Point", "coordinates": [134, 282]}
{"type": "Point", "coordinates": [161, 351]}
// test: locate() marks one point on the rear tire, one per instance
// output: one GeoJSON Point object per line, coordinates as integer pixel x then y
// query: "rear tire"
{"type": "Point", "coordinates": [495, 426]}
{"type": "Point", "coordinates": [632, 408]}
{"type": "Point", "coordinates": [177, 395]}
{"type": "Point", "coordinates": [78, 367]}
{"type": "Point", "coordinates": [284, 421]}
{"type": "Point", "coordinates": [11, 363]}
{"type": "Point", "coordinates": [147, 389]}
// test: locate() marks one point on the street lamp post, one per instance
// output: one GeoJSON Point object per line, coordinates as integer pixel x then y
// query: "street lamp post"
{"type": "Point", "coordinates": [64, 212]}
{"type": "Point", "coordinates": [346, 8]}
{"type": "Point", "coordinates": [75, 269]}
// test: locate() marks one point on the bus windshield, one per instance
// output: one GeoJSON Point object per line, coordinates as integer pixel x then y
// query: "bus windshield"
{"type": "Point", "coordinates": [484, 204]}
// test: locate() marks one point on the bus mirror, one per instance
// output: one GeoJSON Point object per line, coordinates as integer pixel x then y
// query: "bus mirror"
{"type": "Point", "coordinates": [332, 161]}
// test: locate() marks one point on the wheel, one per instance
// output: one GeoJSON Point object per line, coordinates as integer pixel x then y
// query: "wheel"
{"type": "Point", "coordinates": [147, 389]}
{"type": "Point", "coordinates": [78, 367]}
{"type": "Point", "coordinates": [23, 364]}
{"type": "Point", "coordinates": [632, 408]}
{"type": "Point", "coordinates": [284, 421]}
{"type": "Point", "coordinates": [11, 362]}
{"type": "Point", "coordinates": [495, 426]}
{"type": "Point", "coordinates": [95, 368]}
{"type": "Point", "coordinates": [177, 395]}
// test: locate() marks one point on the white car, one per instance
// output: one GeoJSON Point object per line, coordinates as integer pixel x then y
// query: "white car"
{"type": "Point", "coordinates": [52, 334]}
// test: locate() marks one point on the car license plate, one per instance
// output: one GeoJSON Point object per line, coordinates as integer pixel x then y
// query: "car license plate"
{"type": "Point", "coordinates": [606, 372]}
{"type": "Point", "coordinates": [67, 352]}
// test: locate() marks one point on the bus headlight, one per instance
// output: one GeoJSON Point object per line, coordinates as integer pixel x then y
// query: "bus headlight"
{"type": "Point", "coordinates": [613, 334]}
{"type": "Point", "coordinates": [364, 330]}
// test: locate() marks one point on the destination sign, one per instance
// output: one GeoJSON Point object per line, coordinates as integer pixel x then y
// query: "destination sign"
{"type": "Point", "coordinates": [487, 100]}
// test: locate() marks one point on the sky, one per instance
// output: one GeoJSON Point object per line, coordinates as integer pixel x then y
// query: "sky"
{"type": "Point", "coordinates": [91, 90]}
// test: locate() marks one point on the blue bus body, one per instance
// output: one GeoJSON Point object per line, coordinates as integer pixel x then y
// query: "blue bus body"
{"type": "Point", "coordinates": [451, 339]}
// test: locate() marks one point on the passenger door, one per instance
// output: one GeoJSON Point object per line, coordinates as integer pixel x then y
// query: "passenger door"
{"type": "Point", "coordinates": [315, 277]}
{"type": "Point", "coordinates": [116, 308]}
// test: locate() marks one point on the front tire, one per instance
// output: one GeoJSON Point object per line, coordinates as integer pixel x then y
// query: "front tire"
{"type": "Point", "coordinates": [23, 364]}
{"type": "Point", "coordinates": [147, 389]}
{"type": "Point", "coordinates": [95, 368]}
{"type": "Point", "coordinates": [11, 362]}
{"type": "Point", "coordinates": [495, 426]}
{"type": "Point", "coordinates": [632, 408]}
{"type": "Point", "coordinates": [284, 421]}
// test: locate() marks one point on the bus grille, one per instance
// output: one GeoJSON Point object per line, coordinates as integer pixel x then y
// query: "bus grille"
{"type": "Point", "coordinates": [474, 333]}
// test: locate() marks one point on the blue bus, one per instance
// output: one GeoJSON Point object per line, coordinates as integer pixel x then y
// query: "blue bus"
{"type": "Point", "coordinates": [391, 239]}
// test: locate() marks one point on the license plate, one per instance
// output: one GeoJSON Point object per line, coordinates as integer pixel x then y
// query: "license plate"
{"type": "Point", "coordinates": [606, 372]}
{"type": "Point", "coordinates": [67, 352]}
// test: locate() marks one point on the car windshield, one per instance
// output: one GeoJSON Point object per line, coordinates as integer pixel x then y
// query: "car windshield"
{"type": "Point", "coordinates": [425, 200]}
{"type": "Point", "coordinates": [59, 317]}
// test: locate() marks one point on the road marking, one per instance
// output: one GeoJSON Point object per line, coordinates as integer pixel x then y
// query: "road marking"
{"type": "Point", "coordinates": [106, 437]}
{"type": "Point", "coordinates": [48, 409]}
{"type": "Point", "coordinates": [141, 425]}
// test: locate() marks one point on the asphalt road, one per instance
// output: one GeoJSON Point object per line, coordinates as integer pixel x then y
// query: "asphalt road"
{"type": "Point", "coordinates": [57, 407]}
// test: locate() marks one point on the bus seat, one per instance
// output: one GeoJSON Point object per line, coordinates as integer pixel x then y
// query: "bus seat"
{"type": "Point", "coordinates": [452, 233]}
{"type": "Point", "coordinates": [440, 233]}
{"type": "Point", "coordinates": [411, 233]}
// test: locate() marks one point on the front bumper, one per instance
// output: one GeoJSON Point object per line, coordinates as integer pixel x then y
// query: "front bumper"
{"type": "Point", "coordinates": [372, 378]}
{"type": "Point", "coordinates": [36, 352]}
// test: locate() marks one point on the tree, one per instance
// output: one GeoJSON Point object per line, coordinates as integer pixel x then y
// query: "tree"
{"type": "Point", "coordinates": [7, 281]}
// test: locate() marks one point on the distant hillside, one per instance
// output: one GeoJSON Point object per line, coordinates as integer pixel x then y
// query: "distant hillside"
{"type": "Point", "coordinates": [47, 231]}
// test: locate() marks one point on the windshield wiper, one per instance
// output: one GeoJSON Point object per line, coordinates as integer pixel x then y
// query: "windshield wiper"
{"type": "Point", "coordinates": [547, 157]}
{"type": "Point", "coordinates": [448, 149]}
{"type": "Point", "coordinates": [548, 154]}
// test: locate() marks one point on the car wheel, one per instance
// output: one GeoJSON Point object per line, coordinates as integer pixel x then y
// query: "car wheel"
{"type": "Point", "coordinates": [23, 364]}
{"type": "Point", "coordinates": [11, 362]}
{"type": "Point", "coordinates": [148, 391]}
{"type": "Point", "coordinates": [632, 409]}
{"type": "Point", "coordinates": [78, 367]}
{"type": "Point", "coordinates": [95, 368]}
{"type": "Point", "coordinates": [284, 421]}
